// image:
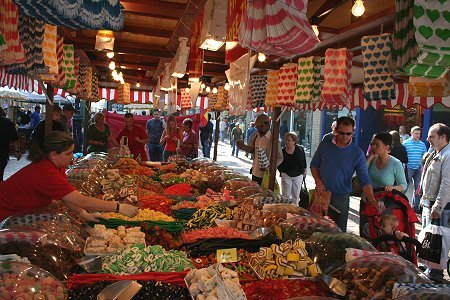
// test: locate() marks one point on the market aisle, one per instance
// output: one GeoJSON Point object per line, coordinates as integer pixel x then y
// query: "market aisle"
{"type": "Point", "coordinates": [13, 165]}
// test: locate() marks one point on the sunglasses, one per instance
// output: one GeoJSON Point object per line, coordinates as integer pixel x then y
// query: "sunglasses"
{"type": "Point", "coordinates": [345, 133]}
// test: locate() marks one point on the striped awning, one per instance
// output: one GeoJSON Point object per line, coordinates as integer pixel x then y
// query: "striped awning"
{"type": "Point", "coordinates": [136, 96]}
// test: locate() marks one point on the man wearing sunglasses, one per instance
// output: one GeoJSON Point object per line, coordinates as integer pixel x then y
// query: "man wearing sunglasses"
{"type": "Point", "coordinates": [262, 139]}
{"type": "Point", "coordinates": [333, 165]}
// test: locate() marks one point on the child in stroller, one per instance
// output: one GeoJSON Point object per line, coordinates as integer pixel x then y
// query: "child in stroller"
{"type": "Point", "coordinates": [396, 206]}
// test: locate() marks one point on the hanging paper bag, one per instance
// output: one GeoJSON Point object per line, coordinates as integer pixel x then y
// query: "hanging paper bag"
{"type": "Point", "coordinates": [262, 158]}
{"type": "Point", "coordinates": [319, 202]}
{"type": "Point", "coordinates": [272, 88]}
{"type": "Point", "coordinates": [265, 183]}
{"type": "Point", "coordinates": [435, 241]}
{"type": "Point", "coordinates": [287, 80]}
{"type": "Point", "coordinates": [337, 68]}
{"type": "Point", "coordinates": [258, 84]}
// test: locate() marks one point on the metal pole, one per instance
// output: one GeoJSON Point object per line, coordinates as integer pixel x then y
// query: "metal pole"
{"type": "Point", "coordinates": [274, 152]}
{"type": "Point", "coordinates": [48, 109]}
{"type": "Point", "coordinates": [216, 136]}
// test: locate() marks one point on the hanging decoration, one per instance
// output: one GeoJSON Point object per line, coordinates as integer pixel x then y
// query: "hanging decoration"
{"type": "Point", "coordinates": [272, 88]}
{"type": "Point", "coordinates": [60, 78]}
{"type": "Point", "coordinates": [258, 84]}
{"type": "Point", "coordinates": [123, 93]}
{"type": "Point", "coordinates": [69, 66]}
{"type": "Point", "coordinates": [12, 51]}
{"type": "Point", "coordinates": [166, 79]}
{"type": "Point", "coordinates": [3, 45]}
{"type": "Point", "coordinates": [277, 27]}
{"type": "Point", "coordinates": [85, 79]}
{"type": "Point", "coordinates": [196, 53]}
{"type": "Point", "coordinates": [104, 41]}
{"type": "Point", "coordinates": [337, 73]}
{"type": "Point", "coordinates": [76, 14]}
{"type": "Point", "coordinates": [49, 51]}
{"type": "Point", "coordinates": [236, 10]}
{"type": "Point", "coordinates": [94, 94]}
{"type": "Point", "coordinates": [309, 84]}
{"type": "Point", "coordinates": [172, 96]}
{"type": "Point", "coordinates": [179, 61]}
{"type": "Point", "coordinates": [76, 69]}
{"type": "Point", "coordinates": [287, 81]}
{"type": "Point", "coordinates": [378, 80]}
{"type": "Point", "coordinates": [222, 99]}
{"type": "Point", "coordinates": [185, 99]}
{"type": "Point", "coordinates": [424, 87]}
{"type": "Point", "coordinates": [214, 29]}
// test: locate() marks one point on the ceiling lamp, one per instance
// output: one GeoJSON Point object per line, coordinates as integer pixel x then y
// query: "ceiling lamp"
{"type": "Point", "coordinates": [138, 84]}
{"type": "Point", "coordinates": [227, 86]}
{"type": "Point", "coordinates": [187, 90]}
{"type": "Point", "coordinates": [213, 33]}
{"type": "Point", "coordinates": [208, 89]}
{"type": "Point", "coordinates": [104, 40]}
{"type": "Point", "coordinates": [261, 57]}
{"type": "Point", "coordinates": [203, 85]}
{"type": "Point", "coordinates": [165, 82]}
{"type": "Point", "coordinates": [358, 8]}
{"type": "Point", "coordinates": [214, 90]}
{"type": "Point", "coordinates": [180, 60]}
{"type": "Point", "coordinates": [114, 73]}
{"type": "Point", "coordinates": [110, 54]}
{"type": "Point", "coordinates": [315, 28]}
{"type": "Point", "coordinates": [112, 65]}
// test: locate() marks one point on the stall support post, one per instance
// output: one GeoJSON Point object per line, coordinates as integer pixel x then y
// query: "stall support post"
{"type": "Point", "coordinates": [48, 109]}
{"type": "Point", "coordinates": [87, 116]}
{"type": "Point", "coordinates": [274, 152]}
{"type": "Point", "coordinates": [216, 136]}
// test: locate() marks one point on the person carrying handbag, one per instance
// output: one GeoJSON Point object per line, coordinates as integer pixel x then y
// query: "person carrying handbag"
{"type": "Point", "coordinates": [293, 168]}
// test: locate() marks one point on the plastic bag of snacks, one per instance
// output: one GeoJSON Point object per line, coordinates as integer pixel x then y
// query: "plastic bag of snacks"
{"type": "Point", "coordinates": [24, 281]}
{"type": "Point", "coordinates": [244, 192]}
{"type": "Point", "coordinates": [235, 184]}
{"type": "Point", "coordinates": [417, 291]}
{"type": "Point", "coordinates": [373, 276]}
{"type": "Point", "coordinates": [268, 198]}
{"type": "Point", "coordinates": [328, 248]}
{"type": "Point", "coordinates": [305, 226]}
{"type": "Point", "coordinates": [282, 211]}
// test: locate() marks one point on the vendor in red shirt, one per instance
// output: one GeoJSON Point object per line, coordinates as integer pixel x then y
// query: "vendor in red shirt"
{"type": "Point", "coordinates": [137, 137]}
{"type": "Point", "coordinates": [37, 184]}
{"type": "Point", "coordinates": [172, 137]}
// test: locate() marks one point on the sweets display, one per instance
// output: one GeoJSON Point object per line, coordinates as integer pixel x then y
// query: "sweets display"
{"type": "Point", "coordinates": [182, 189]}
{"type": "Point", "coordinates": [156, 203]}
{"type": "Point", "coordinates": [104, 240]}
{"type": "Point", "coordinates": [284, 260]}
{"type": "Point", "coordinates": [138, 259]}
{"type": "Point", "coordinates": [249, 218]}
{"type": "Point", "coordinates": [126, 165]}
{"type": "Point", "coordinates": [204, 218]}
{"type": "Point", "coordinates": [213, 283]}
{"type": "Point", "coordinates": [215, 232]}
{"type": "Point", "coordinates": [268, 289]}
{"type": "Point", "coordinates": [143, 215]}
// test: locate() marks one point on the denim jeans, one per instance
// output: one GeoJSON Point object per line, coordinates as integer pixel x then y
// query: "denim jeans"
{"type": "Point", "coordinates": [435, 274]}
{"type": "Point", "coordinates": [206, 148]}
{"type": "Point", "coordinates": [155, 152]}
{"type": "Point", "coordinates": [342, 203]}
{"type": "Point", "coordinates": [222, 135]}
{"type": "Point", "coordinates": [415, 175]}
{"type": "Point", "coordinates": [234, 147]}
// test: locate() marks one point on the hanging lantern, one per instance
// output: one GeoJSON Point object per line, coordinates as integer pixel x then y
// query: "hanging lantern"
{"type": "Point", "coordinates": [180, 60]}
{"type": "Point", "coordinates": [165, 82]}
{"type": "Point", "coordinates": [214, 27]}
{"type": "Point", "coordinates": [104, 41]}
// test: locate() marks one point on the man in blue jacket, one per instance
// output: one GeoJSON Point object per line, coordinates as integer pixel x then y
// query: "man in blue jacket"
{"type": "Point", "coordinates": [333, 166]}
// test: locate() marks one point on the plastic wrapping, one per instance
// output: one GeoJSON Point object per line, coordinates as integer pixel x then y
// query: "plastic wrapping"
{"type": "Point", "coordinates": [304, 226]}
{"type": "Point", "coordinates": [328, 248]}
{"type": "Point", "coordinates": [24, 281]}
{"type": "Point", "coordinates": [201, 163]}
{"type": "Point", "coordinates": [235, 184]}
{"type": "Point", "coordinates": [30, 236]}
{"type": "Point", "coordinates": [416, 291]}
{"type": "Point", "coordinates": [282, 211]}
{"type": "Point", "coordinates": [267, 197]}
{"type": "Point", "coordinates": [246, 191]}
{"type": "Point", "coordinates": [373, 276]}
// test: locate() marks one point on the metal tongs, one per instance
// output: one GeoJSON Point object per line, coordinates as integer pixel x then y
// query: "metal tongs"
{"type": "Point", "coordinates": [121, 290]}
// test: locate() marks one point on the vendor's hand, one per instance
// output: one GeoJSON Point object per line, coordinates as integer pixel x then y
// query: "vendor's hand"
{"type": "Point", "coordinates": [320, 187]}
{"type": "Point", "coordinates": [128, 210]}
{"type": "Point", "coordinates": [91, 217]}
{"type": "Point", "coordinates": [435, 215]}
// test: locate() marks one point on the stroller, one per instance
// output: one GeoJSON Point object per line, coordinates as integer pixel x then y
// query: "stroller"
{"type": "Point", "coordinates": [397, 204]}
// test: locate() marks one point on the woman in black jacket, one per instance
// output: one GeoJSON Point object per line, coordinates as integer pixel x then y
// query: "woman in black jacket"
{"type": "Point", "coordinates": [293, 167]}
{"type": "Point", "coordinates": [399, 151]}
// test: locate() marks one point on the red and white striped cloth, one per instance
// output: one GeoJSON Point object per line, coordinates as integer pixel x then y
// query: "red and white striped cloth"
{"type": "Point", "coordinates": [135, 95]}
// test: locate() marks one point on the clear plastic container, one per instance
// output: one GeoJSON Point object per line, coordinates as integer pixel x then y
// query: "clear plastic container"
{"type": "Point", "coordinates": [304, 226]}
{"type": "Point", "coordinates": [246, 191]}
{"type": "Point", "coordinates": [24, 281]}
{"type": "Point", "coordinates": [282, 211]}
{"type": "Point", "coordinates": [235, 184]}
{"type": "Point", "coordinates": [328, 248]}
{"type": "Point", "coordinates": [373, 276]}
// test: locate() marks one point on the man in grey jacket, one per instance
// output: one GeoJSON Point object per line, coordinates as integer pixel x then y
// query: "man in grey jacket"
{"type": "Point", "coordinates": [435, 184]}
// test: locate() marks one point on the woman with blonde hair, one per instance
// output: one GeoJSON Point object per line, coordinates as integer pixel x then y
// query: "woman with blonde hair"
{"type": "Point", "coordinates": [99, 135]}
{"type": "Point", "coordinates": [172, 137]}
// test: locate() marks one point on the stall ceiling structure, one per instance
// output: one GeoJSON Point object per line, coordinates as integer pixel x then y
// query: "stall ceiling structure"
{"type": "Point", "coordinates": [152, 28]}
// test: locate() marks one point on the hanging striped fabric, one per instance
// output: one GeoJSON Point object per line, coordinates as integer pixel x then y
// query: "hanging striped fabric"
{"type": "Point", "coordinates": [14, 52]}
{"type": "Point", "coordinates": [61, 77]}
{"type": "Point", "coordinates": [336, 86]}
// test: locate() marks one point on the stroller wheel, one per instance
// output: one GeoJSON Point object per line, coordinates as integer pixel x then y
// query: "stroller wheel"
{"type": "Point", "coordinates": [448, 267]}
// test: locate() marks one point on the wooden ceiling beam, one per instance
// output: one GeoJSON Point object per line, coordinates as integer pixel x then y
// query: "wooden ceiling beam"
{"type": "Point", "coordinates": [140, 67]}
{"type": "Point", "coordinates": [148, 31]}
{"type": "Point", "coordinates": [154, 8]}
{"type": "Point", "coordinates": [322, 12]}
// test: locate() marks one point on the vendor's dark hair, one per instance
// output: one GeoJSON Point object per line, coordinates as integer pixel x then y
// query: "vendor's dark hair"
{"type": "Point", "coordinates": [57, 141]}
{"type": "Point", "coordinates": [345, 121]}
{"type": "Point", "coordinates": [128, 115]}
{"type": "Point", "coordinates": [395, 138]}
{"type": "Point", "coordinates": [442, 129]}
{"type": "Point", "coordinates": [385, 137]}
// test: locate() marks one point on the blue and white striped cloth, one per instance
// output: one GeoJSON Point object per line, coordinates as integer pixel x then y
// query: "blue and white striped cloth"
{"type": "Point", "coordinates": [415, 151]}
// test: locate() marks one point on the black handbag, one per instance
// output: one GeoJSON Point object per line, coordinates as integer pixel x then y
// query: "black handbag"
{"type": "Point", "coordinates": [304, 195]}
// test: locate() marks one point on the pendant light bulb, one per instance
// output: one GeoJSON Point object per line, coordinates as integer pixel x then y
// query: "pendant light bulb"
{"type": "Point", "coordinates": [358, 8]}
{"type": "Point", "coordinates": [114, 73]}
{"type": "Point", "coordinates": [187, 90]}
{"type": "Point", "coordinates": [203, 85]}
{"type": "Point", "coordinates": [315, 28]}
{"type": "Point", "coordinates": [261, 57]}
{"type": "Point", "coordinates": [214, 90]}
{"type": "Point", "coordinates": [110, 54]}
{"type": "Point", "coordinates": [208, 89]}
{"type": "Point", "coordinates": [112, 65]}
{"type": "Point", "coordinates": [138, 84]}
{"type": "Point", "coordinates": [227, 86]}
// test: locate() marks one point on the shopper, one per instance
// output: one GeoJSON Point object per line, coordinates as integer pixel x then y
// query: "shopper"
{"type": "Point", "coordinates": [415, 149]}
{"type": "Point", "coordinates": [403, 135]}
{"type": "Point", "coordinates": [333, 165]}
{"type": "Point", "coordinates": [283, 130]}
{"type": "Point", "coordinates": [250, 131]}
{"type": "Point", "coordinates": [330, 135]}
{"type": "Point", "coordinates": [263, 140]}
{"type": "Point", "coordinates": [435, 184]}
{"type": "Point", "coordinates": [236, 135]}
{"type": "Point", "coordinates": [171, 137]}
{"type": "Point", "coordinates": [38, 134]}
{"type": "Point", "coordinates": [37, 184]}
{"type": "Point", "coordinates": [155, 128]}
{"type": "Point", "coordinates": [222, 130]}
{"type": "Point", "coordinates": [399, 151]}
{"type": "Point", "coordinates": [137, 138]}
{"type": "Point", "coordinates": [190, 140]}
{"type": "Point", "coordinates": [293, 168]}
{"type": "Point", "coordinates": [99, 135]}
{"type": "Point", "coordinates": [66, 118]}
{"type": "Point", "coordinates": [8, 133]}
{"type": "Point", "coordinates": [206, 133]}
{"type": "Point", "coordinates": [35, 117]}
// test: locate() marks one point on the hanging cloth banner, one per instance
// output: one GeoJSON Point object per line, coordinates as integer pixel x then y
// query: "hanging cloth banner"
{"type": "Point", "coordinates": [238, 76]}
{"type": "Point", "coordinates": [287, 81]}
{"type": "Point", "coordinates": [193, 93]}
{"type": "Point", "coordinates": [185, 99]}
{"type": "Point", "coordinates": [258, 84]}
{"type": "Point", "coordinates": [309, 84]}
{"type": "Point", "coordinates": [196, 53]}
{"type": "Point", "coordinates": [423, 87]}
{"type": "Point", "coordinates": [272, 88]}
{"type": "Point", "coordinates": [76, 14]}
{"type": "Point", "coordinates": [12, 51]}
{"type": "Point", "coordinates": [336, 86]}
{"type": "Point", "coordinates": [378, 80]}
{"type": "Point", "coordinates": [236, 9]}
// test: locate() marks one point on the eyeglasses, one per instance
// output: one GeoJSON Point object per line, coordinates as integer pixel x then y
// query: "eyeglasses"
{"type": "Point", "coordinates": [345, 133]}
